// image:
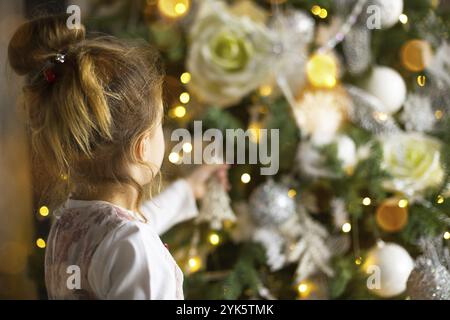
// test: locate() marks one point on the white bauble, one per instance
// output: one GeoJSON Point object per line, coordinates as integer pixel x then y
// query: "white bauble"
{"type": "Point", "coordinates": [346, 151]}
{"type": "Point", "coordinates": [388, 86]}
{"type": "Point", "coordinates": [390, 10]}
{"type": "Point", "coordinates": [389, 266]}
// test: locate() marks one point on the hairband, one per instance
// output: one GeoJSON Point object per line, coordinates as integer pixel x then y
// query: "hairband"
{"type": "Point", "coordinates": [49, 72]}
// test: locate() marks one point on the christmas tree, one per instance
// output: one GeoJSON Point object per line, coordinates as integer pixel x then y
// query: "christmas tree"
{"type": "Point", "coordinates": [358, 91]}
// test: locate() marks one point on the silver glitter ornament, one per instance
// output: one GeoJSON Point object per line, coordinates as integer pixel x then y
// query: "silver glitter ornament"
{"type": "Point", "coordinates": [357, 49]}
{"type": "Point", "coordinates": [430, 278]}
{"type": "Point", "coordinates": [270, 204]}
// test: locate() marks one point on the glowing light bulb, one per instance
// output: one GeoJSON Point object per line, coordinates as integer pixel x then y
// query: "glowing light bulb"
{"type": "Point", "coordinates": [173, 8]}
{"type": "Point", "coordinates": [185, 97]}
{"type": "Point", "coordinates": [366, 201]}
{"type": "Point", "coordinates": [187, 147]}
{"type": "Point", "coordinates": [41, 243]}
{"type": "Point", "coordinates": [292, 193]}
{"type": "Point", "coordinates": [179, 111]}
{"type": "Point", "coordinates": [174, 157]}
{"type": "Point", "coordinates": [265, 90]}
{"type": "Point", "coordinates": [304, 289]}
{"type": "Point", "coordinates": [358, 261]}
{"type": "Point", "coordinates": [323, 13]}
{"type": "Point", "coordinates": [214, 239]}
{"type": "Point", "coordinates": [402, 203]}
{"type": "Point", "coordinates": [438, 114]}
{"type": "Point", "coordinates": [403, 18]}
{"type": "Point", "coordinates": [315, 10]}
{"type": "Point", "coordinates": [421, 80]}
{"type": "Point", "coordinates": [44, 211]}
{"type": "Point", "coordinates": [446, 235]}
{"type": "Point", "coordinates": [245, 178]}
{"type": "Point", "coordinates": [346, 227]}
{"type": "Point", "coordinates": [185, 77]}
{"type": "Point", "coordinates": [322, 70]}
{"type": "Point", "coordinates": [440, 199]}
{"type": "Point", "coordinates": [194, 264]}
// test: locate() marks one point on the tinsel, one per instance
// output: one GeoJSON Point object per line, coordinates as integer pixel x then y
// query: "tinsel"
{"type": "Point", "coordinates": [430, 278]}
{"type": "Point", "coordinates": [365, 112]}
{"type": "Point", "coordinates": [417, 113]}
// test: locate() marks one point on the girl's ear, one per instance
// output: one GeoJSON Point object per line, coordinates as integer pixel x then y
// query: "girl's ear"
{"type": "Point", "coordinates": [141, 147]}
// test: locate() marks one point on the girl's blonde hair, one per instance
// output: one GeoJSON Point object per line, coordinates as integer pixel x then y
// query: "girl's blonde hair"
{"type": "Point", "coordinates": [87, 100]}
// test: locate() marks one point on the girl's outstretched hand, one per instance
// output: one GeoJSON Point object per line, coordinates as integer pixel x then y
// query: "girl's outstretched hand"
{"type": "Point", "coordinates": [198, 178]}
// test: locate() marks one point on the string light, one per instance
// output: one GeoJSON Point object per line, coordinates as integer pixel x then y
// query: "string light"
{"type": "Point", "coordinates": [346, 227]}
{"type": "Point", "coordinates": [194, 264]}
{"type": "Point", "coordinates": [41, 243]}
{"type": "Point", "coordinates": [403, 18]}
{"type": "Point", "coordinates": [174, 157]}
{"type": "Point", "coordinates": [358, 261]}
{"type": "Point", "coordinates": [322, 70]}
{"type": "Point", "coordinates": [187, 147]}
{"type": "Point", "coordinates": [366, 201]}
{"type": "Point", "coordinates": [44, 211]}
{"type": "Point", "coordinates": [185, 97]}
{"type": "Point", "coordinates": [380, 116]}
{"type": "Point", "coordinates": [265, 90]}
{"type": "Point", "coordinates": [323, 13]}
{"type": "Point", "coordinates": [304, 289]}
{"type": "Point", "coordinates": [185, 77]}
{"type": "Point", "coordinates": [438, 114]}
{"type": "Point", "coordinates": [315, 10]}
{"type": "Point", "coordinates": [173, 8]}
{"type": "Point", "coordinates": [179, 112]}
{"type": "Point", "coordinates": [292, 193]}
{"type": "Point", "coordinates": [440, 199]}
{"type": "Point", "coordinates": [446, 235]}
{"type": "Point", "coordinates": [245, 178]}
{"type": "Point", "coordinates": [402, 203]}
{"type": "Point", "coordinates": [214, 239]}
{"type": "Point", "coordinates": [421, 79]}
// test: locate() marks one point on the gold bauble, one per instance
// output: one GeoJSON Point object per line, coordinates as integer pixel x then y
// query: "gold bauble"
{"type": "Point", "coordinates": [322, 70]}
{"type": "Point", "coordinates": [416, 55]}
{"type": "Point", "coordinates": [392, 215]}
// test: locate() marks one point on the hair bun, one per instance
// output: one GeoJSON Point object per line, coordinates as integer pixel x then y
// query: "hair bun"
{"type": "Point", "coordinates": [40, 39]}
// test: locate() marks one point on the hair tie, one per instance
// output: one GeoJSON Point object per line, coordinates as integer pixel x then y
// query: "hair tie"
{"type": "Point", "coordinates": [49, 73]}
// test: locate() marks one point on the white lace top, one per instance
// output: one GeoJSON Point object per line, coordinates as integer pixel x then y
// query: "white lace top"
{"type": "Point", "coordinates": [114, 255]}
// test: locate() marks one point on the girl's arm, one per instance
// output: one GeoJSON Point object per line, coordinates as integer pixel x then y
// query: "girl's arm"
{"type": "Point", "coordinates": [177, 202]}
{"type": "Point", "coordinates": [174, 205]}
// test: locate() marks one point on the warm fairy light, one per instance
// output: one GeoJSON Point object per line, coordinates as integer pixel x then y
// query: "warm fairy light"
{"type": "Point", "coordinates": [185, 97]}
{"type": "Point", "coordinates": [322, 70]}
{"type": "Point", "coordinates": [255, 131]}
{"type": "Point", "coordinates": [323, 13]}
{"type": "Point", "coordinates": [446, 235]}
{"type": "Point", "coordinates": [214, 239]}
{"type": "Point", "coordinates": [380, 116]}
{"type": "Point", "coordinates": [292, 193]}
{"type": "Point", "coordinates": [438, 114]}
{"type": "Point", "coordinates": [174, 157]}
{"type": "Point", "coordinates": [173, 8]}
{"type": "Point", "coordinates": [403, 18]}
{"type": "Point", "coordinates": [358, 261]}
{"type": "Point", "coordinates": [185, 77]}
{"type": "Point", "coordinates": [265, 90]}
{"type": "Point", "coordinates": [179, 111]}
{"type": "Point", "coordinates": [44, 211]}
{"type": "Point", "coordinates": [439, 199]}
{"type": "Point", "coordinates": [304, 289]}
{"type": "Point", "coordinates": [187, 147]}
{"type": "Point", "coordinates": [315, 10]}
{"type": "Point", "coordinates": [402, 203]}
{"type": "Point", "coordinates": [421, 79]}
{"type": "Point", "coordinates": [41, 243]}
{"type": "Point", "coordinates": [366, 201]}
{"type": "Point", "coordinates": [194, 264]}
{"type": "Point", "coordinates": [64, 177]}
{"type": "Point", "coordinates": [245, 178]}
{"type": "Point", "coordinates": [346, 227]}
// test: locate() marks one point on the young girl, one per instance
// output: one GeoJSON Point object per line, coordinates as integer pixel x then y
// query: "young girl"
{"type": "Point", "coordinates": [94, 109]}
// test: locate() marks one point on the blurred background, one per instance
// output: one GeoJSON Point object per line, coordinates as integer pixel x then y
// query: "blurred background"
{"type": "Point", "coordinates": [358, 89]}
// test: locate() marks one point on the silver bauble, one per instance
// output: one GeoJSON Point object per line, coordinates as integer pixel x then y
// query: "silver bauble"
{"type": "Point", "coordinates": [271, 205]}
{"type": "Point", "coordinates": [428, 281]}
